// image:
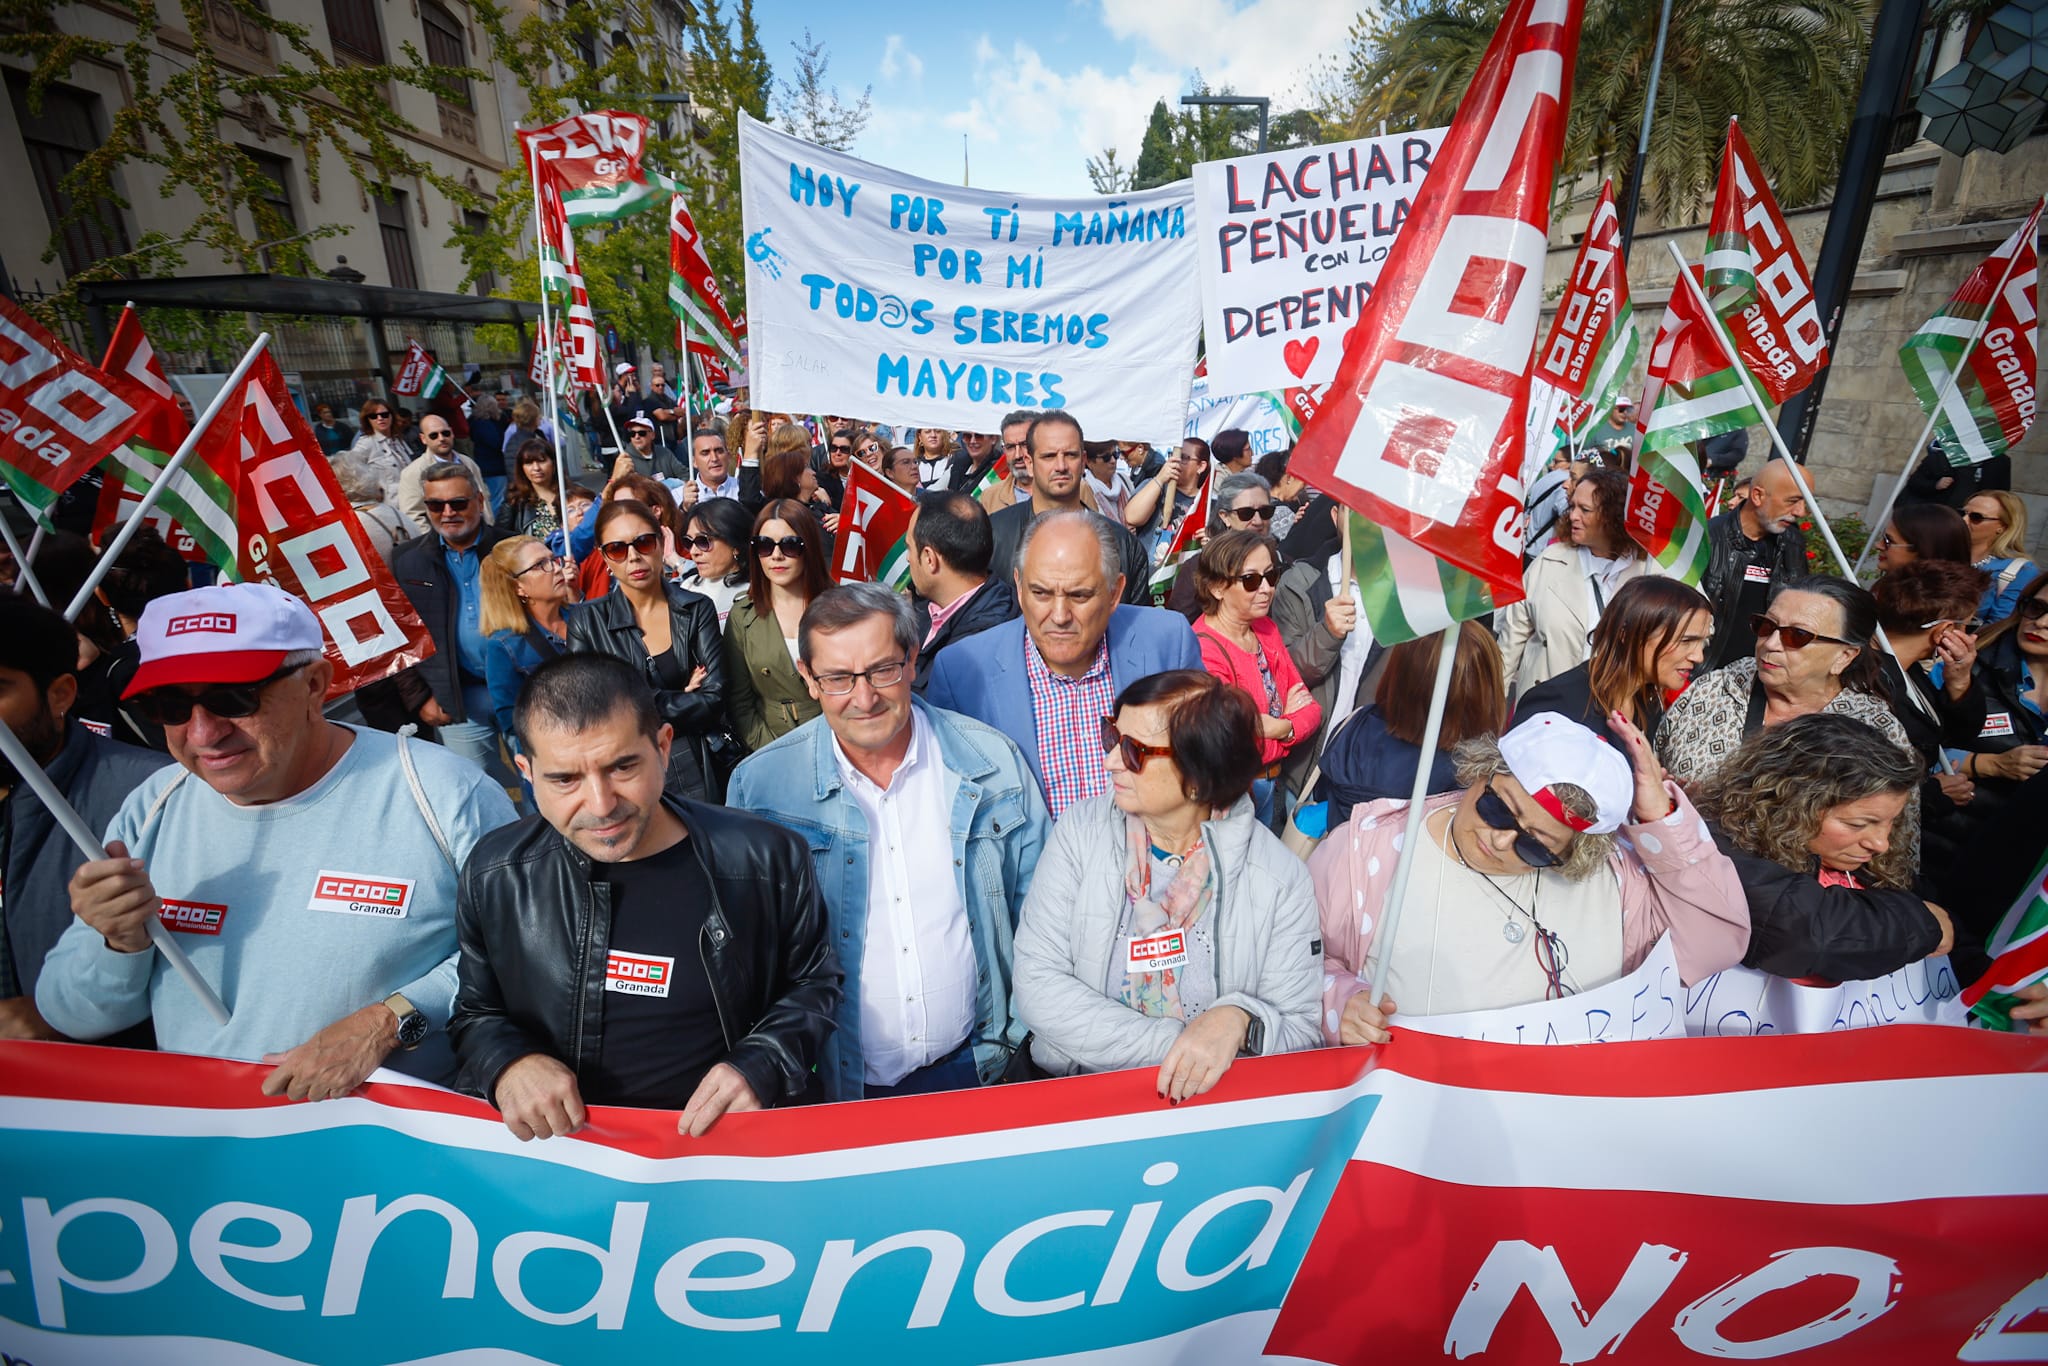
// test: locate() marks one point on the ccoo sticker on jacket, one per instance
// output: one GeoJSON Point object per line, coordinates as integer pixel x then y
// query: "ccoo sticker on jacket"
{"type": "Point", "coordinates": [361, 894]}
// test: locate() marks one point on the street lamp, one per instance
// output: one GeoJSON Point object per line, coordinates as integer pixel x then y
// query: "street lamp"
{"type": "Point", "coordinates": [1259, 102]}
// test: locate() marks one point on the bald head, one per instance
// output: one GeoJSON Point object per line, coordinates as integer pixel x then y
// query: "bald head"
{"type": "Point", "coordinates": [1774, 502]}
{"type": "Point", "coordinates": [1068, 581]}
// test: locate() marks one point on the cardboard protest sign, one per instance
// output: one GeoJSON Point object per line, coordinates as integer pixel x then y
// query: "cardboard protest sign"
{"type": "Point", "coordinates": [1648, 1003]}
{"type": "Point", "coordinates": [1291, 244]}
{"type": "Point", "coordinates": [871, 291]}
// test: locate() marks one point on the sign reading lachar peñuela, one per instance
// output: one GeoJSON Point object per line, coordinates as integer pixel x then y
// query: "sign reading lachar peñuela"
{"type": "Point", "coordinates": [878, 293]}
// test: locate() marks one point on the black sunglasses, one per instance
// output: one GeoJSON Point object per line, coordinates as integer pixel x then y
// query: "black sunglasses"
{"type": "Point", "coordinates": [1251, 579]}
{"type": "Point", "coordinates": [1497, 814]}
{"type": "Point", "coordinates": [2033, 609]}
{"type": "Point", "coordinates": [697, 542]}
{"type": "Point", "coordinates": [1135, 752]}
{"type": "Point", "coordinates": [437, 506]}
{"type": "Point", "coordinates": [229, 701]}
{"type": "Point", "coordinates": [375, 416]}
{"type": "Point", "coordinates": [790, 546]}
{"type": "Point", "coordinates": [842, 450]}
{"type": "Point", "coordinates": [1979, 518]}
{"type": "Point", "coordinates": [1794, 637]}
{"type": "Point", "coordinates": [436, 436]}
{"type": "Point", "coordinates": [645, 543]}
{"type": "Point", "coordinates": [1246, 515]}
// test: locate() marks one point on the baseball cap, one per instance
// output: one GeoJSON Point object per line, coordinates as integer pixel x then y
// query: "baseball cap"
{"type": "Point", "coordinates": [227, 633]}
{"type": "Point", "coordinates": [1548, 749]}
{"type": "Point", "coordinates": [640, 422]}
{"type": "Point", "coordinates": [624, 367]}
{"type": "Point", "coordinates": [1624, 403]}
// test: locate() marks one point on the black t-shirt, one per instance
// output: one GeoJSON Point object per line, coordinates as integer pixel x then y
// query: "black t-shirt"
{"type": "Point", "coordinates": [661, 1028]}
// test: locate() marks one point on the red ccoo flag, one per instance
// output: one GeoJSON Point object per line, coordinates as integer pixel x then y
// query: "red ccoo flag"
{"type": "Point", "coordinates": [58, 415]}
{"type": "Point", "coordinates": [877, 515]}
{"type": "Point", "coordinates": [1422, 428]}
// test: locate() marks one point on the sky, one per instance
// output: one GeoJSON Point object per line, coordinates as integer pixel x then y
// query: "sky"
{"type": "Point", "coordinates": [1038, 89]}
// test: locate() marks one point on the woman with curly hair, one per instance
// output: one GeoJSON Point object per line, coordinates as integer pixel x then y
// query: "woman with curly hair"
{"type": "Point", "coordinates": [1570, 586]}
{"type": "Point", "coordinates": [1807, 811]}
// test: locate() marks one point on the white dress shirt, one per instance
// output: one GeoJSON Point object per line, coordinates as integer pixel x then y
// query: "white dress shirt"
{"type": "Point", "coordinates": [917, 971]}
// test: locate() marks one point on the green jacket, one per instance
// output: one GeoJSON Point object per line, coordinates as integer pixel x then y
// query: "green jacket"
{"type": "Point", "coordinates": [764, 693]}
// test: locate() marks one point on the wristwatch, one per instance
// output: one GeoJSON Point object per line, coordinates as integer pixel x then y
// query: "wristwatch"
{"type": "Point", "coordinates": [412, 1022]}
{"type": "Point", "coordinates": [1254, 1044]}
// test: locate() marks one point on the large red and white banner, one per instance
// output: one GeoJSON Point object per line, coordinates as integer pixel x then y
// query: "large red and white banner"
{"type": "Point", "coordinates": [297, 531]}
{"type": "Point", "coordinates": [59, 416]}
{"type": "Point", "coordinates": [1859, 1197]}
{"type": "Point", "coordinates": [1423, 427]}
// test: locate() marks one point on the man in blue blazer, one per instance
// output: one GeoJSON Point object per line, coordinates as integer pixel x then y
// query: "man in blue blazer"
{"type": "Point", "coordinates": [1046, 680]}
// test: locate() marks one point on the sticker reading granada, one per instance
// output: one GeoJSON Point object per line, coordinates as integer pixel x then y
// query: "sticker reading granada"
{"type": "Point", "coordinates": [361, 894]}
{"type": "Point", "coordinates": [638, 974]}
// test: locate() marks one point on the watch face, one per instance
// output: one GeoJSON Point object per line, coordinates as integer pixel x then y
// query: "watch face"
{"type": "Point", "coordinates": [412, 1029]}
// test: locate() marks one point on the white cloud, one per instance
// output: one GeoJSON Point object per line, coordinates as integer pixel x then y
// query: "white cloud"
{"type": "Point", "coordinates": [899, 60]}
{"type": "Point", "coordinates": [1056, 120]}
{"type": "Point", "coordinates": [1266, 47]}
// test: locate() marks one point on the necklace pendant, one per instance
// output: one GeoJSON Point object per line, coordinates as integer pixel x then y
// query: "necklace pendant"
{"type": "Point", "coordinates": [1512, 931]}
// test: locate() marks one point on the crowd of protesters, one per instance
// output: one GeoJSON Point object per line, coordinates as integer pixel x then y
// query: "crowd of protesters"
{"type": "Point", "coordinates": [786, 841]}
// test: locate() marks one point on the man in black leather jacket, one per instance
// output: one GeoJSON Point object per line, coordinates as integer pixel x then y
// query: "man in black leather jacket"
{"type": "Point", "coordinates": [1754, 547]}
{"type": "Point", "coordinates": [626, 948]}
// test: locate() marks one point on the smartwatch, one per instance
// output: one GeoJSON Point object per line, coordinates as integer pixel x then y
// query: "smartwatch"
{"type": "Point", "coordinates": [412, 1022]}
{"type": "Point", "coordinates": [1254, 1044]}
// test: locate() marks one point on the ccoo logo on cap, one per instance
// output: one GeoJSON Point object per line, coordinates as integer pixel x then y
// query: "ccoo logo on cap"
{"type": "Point", "coordinates": [226, 633]}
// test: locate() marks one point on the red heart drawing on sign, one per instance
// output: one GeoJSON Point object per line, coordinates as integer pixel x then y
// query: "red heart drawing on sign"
{"type": "Point", "coordinates": [1299, 355]}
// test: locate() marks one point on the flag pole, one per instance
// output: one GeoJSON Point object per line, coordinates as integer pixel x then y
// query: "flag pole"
{"type": "Point", "coordinates": [229, 392]}
{"type": "Point", "coordinates": [547, 328]}
{"type": "Point", "coordinates": [1948, 386]}
{"type": "Point", "coordinates": [1390, 909]}
{"type": "Point", "coordinates": [1798, 472]}
{"type": "Point", "coordinates": [35, 543]}
{"type": "Point", "coordinates": [88, 844]}
{"type": "Point", "coordinates": [689, 427]}
{"type": "Point", "coordinates": [24, 577]}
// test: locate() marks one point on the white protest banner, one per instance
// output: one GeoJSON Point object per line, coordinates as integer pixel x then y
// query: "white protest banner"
{"type": "Point", "coordinates": [1648, 1003]}
{"type": "Point", "coordinates": [1259, 416]}
{"type": "Point", "coordinates": [1743, 1001]}
{"type": "Point", "coordinates": [870, 291]}
{"type": "Point", "coordinates": [1291, 244]}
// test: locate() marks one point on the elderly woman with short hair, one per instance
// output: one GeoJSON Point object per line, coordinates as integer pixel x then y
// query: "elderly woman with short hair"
{"type": "Point", "coordinates": [1555, 869]}
{"type": "Point", "coordinates": [1239, 502]}
{"type": "Point", "coordinates": [1166, 927]}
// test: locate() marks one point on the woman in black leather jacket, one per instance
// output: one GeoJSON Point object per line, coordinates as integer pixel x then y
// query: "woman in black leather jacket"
{"type": "Point", "coordinates": [671, 636]}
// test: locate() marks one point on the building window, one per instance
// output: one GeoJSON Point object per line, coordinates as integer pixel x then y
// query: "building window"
{"type": "Point", "coordinates": [57, 139]}
{"type": "Point", "coordinates": [272, 210]}
{"type": "Point", "coordinates": [391, 226]}
{"type": "Point", "coordinates": [479, 225]}
{"type": "Point", "coordinates": [447, 47]}
{"type": "Point", "coordinates": [352, 27]}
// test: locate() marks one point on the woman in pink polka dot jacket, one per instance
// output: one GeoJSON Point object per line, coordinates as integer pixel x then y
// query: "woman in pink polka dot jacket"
{"type": "Point", "coordinates": [1556, 868]}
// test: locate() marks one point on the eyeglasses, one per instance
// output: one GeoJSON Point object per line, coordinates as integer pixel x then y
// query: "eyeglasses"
{"type": "Point", "coordinates": [1979, 518]}
{"type": "Point", "coordinates": [549, 563]}
{"type": "Point", "coordinates": [696, 542]}
{"type": "Point", "coordinates": [1496, 813]}
{"type": "Point", "coordinates": [1793, 637]}
{"type": "Point", "coordinates": [229, 701]}
{"type": "Point", "coordinates": [2033, 609]}
{"type": "Point", "coordinates": [789, 546]}
{"type": "Point", "coordinates": [1552, 958]}
{"type": "Point", "coordinates": [1251, 579]}
{"type": "Point", "coordinates": [881, 676]}
{"type": "Point", "coordinates": [1135, 752]}
{"type": "Point", "coordinates": [644, 544]}
{"type": "Point", "coordinates": [1247, 515]}
{"type": "Point", "coordinates": [1886, 540]}
{"type": "Point", "coordinates": [437, 506]}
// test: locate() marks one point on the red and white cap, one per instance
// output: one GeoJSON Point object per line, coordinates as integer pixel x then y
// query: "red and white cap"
{"type": "Point", "coordinates": [637, 421]}
{"type": "Point", "coordinates": [1547, 749]}
{"type": "Point", "coordinates": [625, 367]}
{"type": "Point", "coordinates": [228, 633]}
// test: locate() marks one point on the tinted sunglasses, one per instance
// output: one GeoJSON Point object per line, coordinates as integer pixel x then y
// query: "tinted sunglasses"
{"type": "Point", "coordinates": [374, 417]}
{"type": "Point", "coordinates": [1498, 816]}
{"type": "Point", "coordinates": [1794, 637]}
{"type": "Point", "coordinates": [1246, 515]}
{"type": "Point", "coordinates": [791, 546]}
{"type": "Point", "coordinates": [645, 544]}
{"type": "Point", "coordinates": [841, 450]}
{"type": "Point", "coordinates": [1979, 518]}
{"type": "Point", "coordinates": [1251, 579]}
{"type": "Point", "coordinates": [229, 701]}
{"type": "Point", "coordinates": [437, 436]}
{"type": "Point", "coordinates": [696, 542]}
{"type": "Point", "coordinates": [437, 506]}
{"type": "Point", "coordinates": [1135, 753]}
{"type": "Point", "coordinates": [2033, 609]}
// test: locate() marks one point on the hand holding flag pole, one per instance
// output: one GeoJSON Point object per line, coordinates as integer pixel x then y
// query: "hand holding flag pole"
{"type": "Point", "coordinates": [229, 392]}
{"type": "Point", "coordinates": [88, 844]}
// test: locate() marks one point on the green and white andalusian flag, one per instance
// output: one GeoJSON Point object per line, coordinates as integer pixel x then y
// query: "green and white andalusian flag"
{"type": "Point", "coordinates": [594, 161]}
{"type": "Point", "coordinates": [199, 498]}
{"type": "Point", "coordinates": [1591, 350]}
{"type": "Point", "coordinates": [1408, 592]}
{"type": "Point", "coordinates": [2019, 956]}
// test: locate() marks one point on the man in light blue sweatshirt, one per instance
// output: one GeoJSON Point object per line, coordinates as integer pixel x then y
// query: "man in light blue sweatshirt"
{"type": "Point", "coordinates": [309, 872]}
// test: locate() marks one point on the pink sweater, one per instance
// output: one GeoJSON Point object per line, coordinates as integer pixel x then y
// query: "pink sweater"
{"type": "Point", "coordinates": [1222, 658]}
{"type": "Point", "coordinates": [1673, 880]}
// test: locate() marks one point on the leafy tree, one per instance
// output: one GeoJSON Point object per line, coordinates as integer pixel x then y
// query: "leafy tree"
{"type": "Point", "coordinates": [729, 72]}
{"type": "Point", "coordinates": [1789, 69]}
{"type": "Point", "coordinates": [1107, 174]}
{"type": "Point", "coordinates": [1156, 156]}
{"type": "Point", "coordinates": [811, 110]}
{"type": "Point", "coordinates": [173, 121]}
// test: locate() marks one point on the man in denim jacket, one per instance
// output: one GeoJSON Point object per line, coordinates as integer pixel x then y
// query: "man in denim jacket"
{"type": "Point", "coordinates": [924, 827]}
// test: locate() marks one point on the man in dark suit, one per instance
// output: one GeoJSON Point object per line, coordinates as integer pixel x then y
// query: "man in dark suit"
{"type": "Point", "coordinates": [1057, 464]}
{"type": "Point", "coordinates": [954, 598]}
{"type": "Point", "coordinates": [1047, 678]}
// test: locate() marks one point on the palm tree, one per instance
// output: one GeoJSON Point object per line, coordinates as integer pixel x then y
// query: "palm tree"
{"type": "Point", "coordinates": [1789, 69]}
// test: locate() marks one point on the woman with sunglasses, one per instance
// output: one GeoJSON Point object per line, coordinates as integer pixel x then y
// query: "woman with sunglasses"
{"type": "Point", "coordinates": [1997, 521]}
{"type": "Point", "coordinates": [380, 447]}
{"type": "Point", "coordinates": [666, 632]}
{"type": "Point", "coordinates": [1556, 868]}
{"type": "Point", "coordinates": [522, 588]}
{"type": "Point", "coordinates": [767, 698]}
{"type": "Point", "coordinates": [1165, 926]}
{"type": "Point", "coordinates": [1808, 812]}
{"type": "Point", "coordinates": [594, 576]}
{"type": "Point", "coordinates": [1923, 531]}
{"type": "Point", "coordinates": [1815, 651]}
{"type": "Point", "coordinates": [1234, 577]}
{"type": "Point", "coordinates": [1569, 585]}
{"type": "Point", "coordinates": [1649, 641]}
{"type": "Point", "coordinates": [718, 538]}
{"type": "Point", "coordinates": [1240, 502]}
